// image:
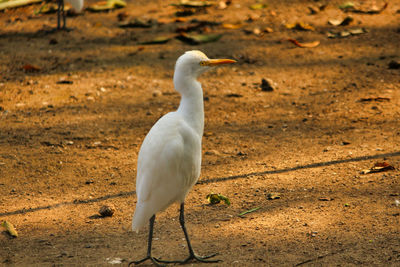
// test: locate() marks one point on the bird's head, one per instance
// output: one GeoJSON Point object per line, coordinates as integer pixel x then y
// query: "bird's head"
{"type": "Point", "coordinates": [193, 63]}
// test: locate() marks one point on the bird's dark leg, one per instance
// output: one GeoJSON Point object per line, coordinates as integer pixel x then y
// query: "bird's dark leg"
{"type": "Point", "coordinates": [60, 3]}
{"type": "Point", "coordinates": [64, 15]}
{"type": "Point", "coordinates": [148, 257]}
{"type": "Point", "coordinates": [192, 255]}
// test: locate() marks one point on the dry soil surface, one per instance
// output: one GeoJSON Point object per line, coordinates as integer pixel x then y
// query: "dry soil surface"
{"type": "Point", "coordinates": [68, 148]}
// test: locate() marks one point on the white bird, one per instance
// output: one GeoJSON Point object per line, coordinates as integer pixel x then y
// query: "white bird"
{"type": "Point", "coordinates": [77, 5]}
{"type": "Point", "coordinates": [169, 159]}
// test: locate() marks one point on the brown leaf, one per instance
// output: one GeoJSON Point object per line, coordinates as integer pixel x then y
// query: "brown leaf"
{"type": "Point", "coordinates": [304, 45]}
{"type": "Point", "coordinates": [140, 48]}
{"type": "Point", "coordinates": [268, 30]}
{"type": "Point", "coordinates": [379, 167]}
{"type": "Point", "coordinates": [272, 196]}
{"type": "Point", "coordinates": [300, 26]}
{"type": "Point", "coordinates": [30, 68]}
{"type": "Point", "coordinates": [195, 39]}
{"type": "Point", "coordinates": [232, 26]}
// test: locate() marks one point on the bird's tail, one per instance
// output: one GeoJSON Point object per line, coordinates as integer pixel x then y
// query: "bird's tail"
{"type": "Point", "coordinates": [141, 217]}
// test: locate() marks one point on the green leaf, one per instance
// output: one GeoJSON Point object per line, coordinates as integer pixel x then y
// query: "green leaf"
{"type": "Point", "coordinates": [346, 5]}
{"type": "Point", "coordinates": [257, 6]}
{"type": "Point", "coordinates": [248, 211]}
{"type": "Point", "coordinates": [216, 198]}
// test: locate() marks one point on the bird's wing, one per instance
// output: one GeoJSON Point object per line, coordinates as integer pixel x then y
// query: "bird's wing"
{"type": "Point", "coordinates": [169, 162]}
{"type": "Point", "coordinates": [76, 4]}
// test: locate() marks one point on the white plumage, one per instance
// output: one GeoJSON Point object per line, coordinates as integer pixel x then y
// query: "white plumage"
{"type": "Point", "coordinates": [168, 166]}
{"type": "Point", "coordinates": [169, 159]}
{"type": "Point", "coordinates": [76, 4]}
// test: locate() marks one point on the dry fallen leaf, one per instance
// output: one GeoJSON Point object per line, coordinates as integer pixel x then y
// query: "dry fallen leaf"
{"type": "Point", "coordinates": [379, 167]}
{"type": "Point", "coordinates": [273, 195]}
{"type": "Point", "coordinates": [300, 26]}
{"type": "Point", "coordinates": [10, 228]}
{"type": "Point", "coordinates": [107, 5]}
{"type": "Point", "coordinates": [304, 45]}
{"type": "Point", "coordinates": [195, 39]}
{"type": "Point", "coordinates": [346, 5]}
{"type": "Point", "coordinates": [268, 30]}
{"type": "Point", "coordinates": [157, 40]}
{"type": "Point", "coordinates": [356, 31]}
{"type": "Point", "coordinates": [30, 68]}
{"type": "Point", "coordinates": [193, 3]}
{"type": "Point", "coordinates": [351, 7]}
{"type": "Point", "coordinates": [346, 33]}
{"type": "Point", "coordinates": [138, 23]}
{"type": "Point", "coordinates": [17, 3]}
{"type": "Point", "coordinates": [232, 26]}
{"type": "Point", "coordinates": [341, 22]}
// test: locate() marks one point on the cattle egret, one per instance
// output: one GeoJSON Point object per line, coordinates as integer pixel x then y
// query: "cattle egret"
{"type": "Point", "coordinates": [77, 5]}
{"type": "Point", "coordinates": [169, 159]}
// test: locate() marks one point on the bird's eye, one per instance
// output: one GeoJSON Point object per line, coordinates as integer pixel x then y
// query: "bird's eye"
{"type": "Point", "coordinates": [203, 63]}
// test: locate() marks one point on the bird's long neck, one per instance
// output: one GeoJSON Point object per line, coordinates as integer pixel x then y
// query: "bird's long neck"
{"type": "Point", "coordinates": [191, 106]}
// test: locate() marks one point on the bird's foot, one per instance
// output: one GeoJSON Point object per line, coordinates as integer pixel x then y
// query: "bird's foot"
{"type": "Point", "coordinates": [192, 257]}
{"type": "Point", "coordinates": [155, 261]}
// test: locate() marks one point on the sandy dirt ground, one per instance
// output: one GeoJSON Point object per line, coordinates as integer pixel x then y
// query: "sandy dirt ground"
{"type": "Point", "coordinates": [68, 148]}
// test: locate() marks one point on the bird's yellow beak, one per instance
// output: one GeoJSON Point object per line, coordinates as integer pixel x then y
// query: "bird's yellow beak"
{"type": "Point", "coordinates": [215, 62]}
